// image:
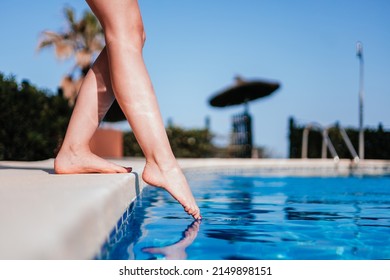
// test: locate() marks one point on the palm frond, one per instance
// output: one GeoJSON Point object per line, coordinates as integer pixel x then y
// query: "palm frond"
{"type": "Point", "coordinates": [62, 46]}
{"type": "Point", "coordinates": [47, 39]}
{"type": "Point", "coordinates": [84, 58]}
{"type": "Point", "coordinates": [82, 39]}
{"type": "Point", "coordinates": [69, 15]}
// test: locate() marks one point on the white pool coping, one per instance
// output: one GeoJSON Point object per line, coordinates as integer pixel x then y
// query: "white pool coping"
{"type": "Point", "coordinates": [48, 216]}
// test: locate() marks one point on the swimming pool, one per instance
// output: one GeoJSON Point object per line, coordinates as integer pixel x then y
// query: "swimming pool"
{"type": "Point", "coordinates": [250, 217]}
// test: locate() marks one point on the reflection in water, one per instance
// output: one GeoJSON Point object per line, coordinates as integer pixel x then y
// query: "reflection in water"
{"type": "Point", "coordinates": [240, 200]}
{"type": "Point", "coordinates": [177, 251]}
{"type": "Point", "coordinates": [299, 215]}
{"type": "Point", "coordinates": [239, 235]}
{"type": "Point", "coordinates": [237, 200]}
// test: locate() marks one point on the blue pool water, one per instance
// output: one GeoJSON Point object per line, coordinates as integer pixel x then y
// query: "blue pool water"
{"type": "Point", "coordinates": [260, 218]}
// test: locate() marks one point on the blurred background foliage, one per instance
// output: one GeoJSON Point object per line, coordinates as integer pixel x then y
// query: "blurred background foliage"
{"type": "Point", "coordinates": [32, 121]}
{"type": "Point", "coordinates": [191, 143]}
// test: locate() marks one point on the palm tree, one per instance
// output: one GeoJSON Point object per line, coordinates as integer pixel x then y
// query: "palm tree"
{"type": "Point", "coordinates": [82, 40]}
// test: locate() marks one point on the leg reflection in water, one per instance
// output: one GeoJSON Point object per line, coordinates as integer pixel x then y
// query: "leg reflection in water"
{"type": "Point", "coordinates": [177, 251]}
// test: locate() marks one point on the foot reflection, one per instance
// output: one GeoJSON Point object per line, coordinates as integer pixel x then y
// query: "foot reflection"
{"type": "Point", "coordinates": [177, 251]}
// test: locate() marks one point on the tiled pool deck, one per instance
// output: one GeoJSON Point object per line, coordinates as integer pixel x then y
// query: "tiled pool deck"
{"type": "Point", "coordinates": [48, 216]}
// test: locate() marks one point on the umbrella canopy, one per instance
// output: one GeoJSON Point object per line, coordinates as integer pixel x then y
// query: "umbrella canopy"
{"type": "Point", "coordinates": [243, 92]}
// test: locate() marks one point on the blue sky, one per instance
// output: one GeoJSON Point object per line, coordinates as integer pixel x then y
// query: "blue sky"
{"type": "Point", "coordinates": [195, 49]}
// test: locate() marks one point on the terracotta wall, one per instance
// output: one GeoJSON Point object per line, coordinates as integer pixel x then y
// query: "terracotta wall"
{"type": "Point", "coordinates": [107, 143]}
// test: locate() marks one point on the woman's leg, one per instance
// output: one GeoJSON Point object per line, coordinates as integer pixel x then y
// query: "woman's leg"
{"type": "Point", "coordinates": [94, 99]}
{"type": "Point", "coordinates": [124, 34]}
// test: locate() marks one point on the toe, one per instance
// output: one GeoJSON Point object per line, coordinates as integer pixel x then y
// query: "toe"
{"type": "Point", "coordinates": [121, 169]}
{"type": "Point", "coordinates": [194, 212]}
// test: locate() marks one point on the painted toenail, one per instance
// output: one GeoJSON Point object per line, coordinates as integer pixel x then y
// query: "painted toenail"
{"type": "Point", "coordinates": [128, 169]}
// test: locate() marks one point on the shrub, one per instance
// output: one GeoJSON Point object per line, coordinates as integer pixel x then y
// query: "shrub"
{"type": "Point", "coordinates": [192, 143]}
{"type": "Point", "coordinates": [32, 121]}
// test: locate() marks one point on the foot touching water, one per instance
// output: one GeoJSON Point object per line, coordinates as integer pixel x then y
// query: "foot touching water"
{"type": "Point", "coordinates": [173, 181]}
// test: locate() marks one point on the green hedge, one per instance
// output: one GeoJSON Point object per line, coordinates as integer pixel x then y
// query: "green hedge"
{"type": "Point", "coordinates": [32, 121]}
{"type": "Point", "coordinates": [192, 143]}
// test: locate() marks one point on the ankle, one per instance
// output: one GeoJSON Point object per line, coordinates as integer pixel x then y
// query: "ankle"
{"type": "Point", "coordinates": [74, 149]}
{"type": "Point", "coordinates": [164, 164]}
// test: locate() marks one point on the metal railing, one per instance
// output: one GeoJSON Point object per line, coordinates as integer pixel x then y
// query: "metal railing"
{"type": "Point", "coordinates": [326, 142]}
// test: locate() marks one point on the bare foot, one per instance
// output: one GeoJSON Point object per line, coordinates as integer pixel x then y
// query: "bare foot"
{"type": "Point", "coordinates": [173, 181]}
{"type": "Point", "coordinates": [71, 162]}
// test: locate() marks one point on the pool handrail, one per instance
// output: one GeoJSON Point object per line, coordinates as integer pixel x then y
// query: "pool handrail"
{"type": "Point", "coordinates": [326, 142]}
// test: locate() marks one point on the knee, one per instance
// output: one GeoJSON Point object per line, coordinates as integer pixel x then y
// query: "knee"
{"type": "Point", "coordinates": [133, 36]}
{"type": "Point", "coordinates": [136, 35]}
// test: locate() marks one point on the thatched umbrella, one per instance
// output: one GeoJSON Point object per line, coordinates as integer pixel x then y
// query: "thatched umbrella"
{"type": "Point", "coordinates": [243, 92]}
